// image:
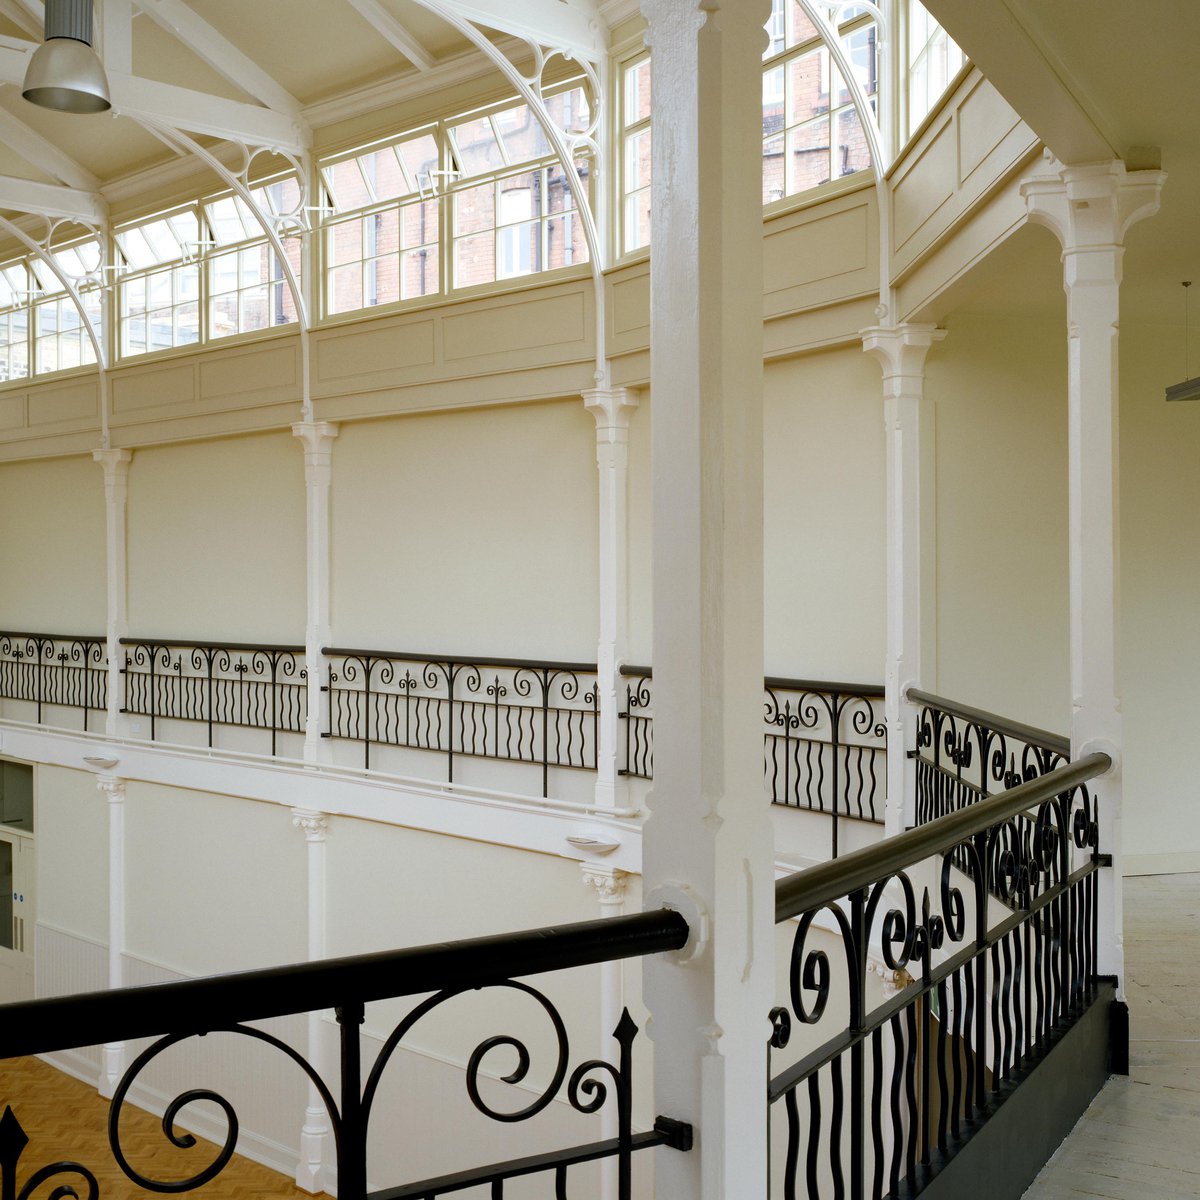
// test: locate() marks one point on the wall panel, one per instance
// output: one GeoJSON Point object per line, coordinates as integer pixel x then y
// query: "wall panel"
{"type": "Point", "coordinates": [52, 551]}
{"type": "Point", "coordinates": [216, 540]}
{"type": "Point", "coordinates": [468, 533]}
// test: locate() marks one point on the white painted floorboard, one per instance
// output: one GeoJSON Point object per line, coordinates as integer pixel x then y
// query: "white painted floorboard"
{"type": "Point", "coordinates": [1140, 1139]}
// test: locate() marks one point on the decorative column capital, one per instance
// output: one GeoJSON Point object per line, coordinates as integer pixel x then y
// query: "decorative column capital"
{"type": "Point", "coordinates": [901, 349]}
{"type": "Point", "coordinates": [612, 407]}
{"type": "Point", "coordinates": [318, 438]}
{"type": "Point", "coordinates": [112, 788]}
{"type": "Point", "coordinates": [1091, 207]}
{"type": "Point", "coordinates": [313, 824]}
{"type": "Point", "coordinates": [608, 882]}
{"type": "Point", "coordinates": [116, 468]}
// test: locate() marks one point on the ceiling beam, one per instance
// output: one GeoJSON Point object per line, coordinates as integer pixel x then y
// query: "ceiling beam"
{"type": "Point", "coordinates": [220, 53]}
{"type": "Point", "coordinates": [1003, 49]}
{"type": "Point", "coordinates": [182, 108]}
{"type": "Point", "coordinates": [116, 35]}
{"type": "Point", "coordinates": [574, 25]}
{"type": "Point", "coordinates": [42, 153]}
{"type": "Point", "coordinates": [19, 14]}
{"type": "Point", "coordinates": [392, 31]}
{"type": "Point", "coordinates": [50, 200]}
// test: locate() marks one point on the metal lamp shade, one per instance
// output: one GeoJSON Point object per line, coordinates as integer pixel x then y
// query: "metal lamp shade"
{"type": "Point", "coordinates": [64, 72]}
{"type": "Point", "coordinates": [66, 75]}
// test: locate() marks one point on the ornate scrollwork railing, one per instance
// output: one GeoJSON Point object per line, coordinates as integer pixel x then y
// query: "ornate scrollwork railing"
{"type": "Point", "coordinates": [824, 744]}
{"type": "Point", "coordinates": [964, 754]}
{"type": "Point", "coordinates": [230, 684]}
{"type": "Point", "coordinates": [173, 1012]}
{"type": "Point", "coordinates": [55, 670]}
{"type": "Point", "coordinates": [979, 990]}
{"type": "Point", "coordinates": [513, 710]}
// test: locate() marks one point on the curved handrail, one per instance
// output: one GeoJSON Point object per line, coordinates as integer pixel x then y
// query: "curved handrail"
{"type": "Point", "coordinates": [997, 724]}
{"type": "Point", "coordinates": [197, 1005]}
{"type": "Point", "coordinates": [829, 882]}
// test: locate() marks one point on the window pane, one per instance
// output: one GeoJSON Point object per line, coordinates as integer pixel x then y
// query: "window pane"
{"type": "Point", "coordinates": [187, 324]}
{"type": "Point", "coordinates": [345, 288]}
{"type": "Point", "coordinates": [808, 156]}
{"type": "Point", "coordinates": [520, 198]}
{"type": "Point", "coordinates": [419, 271]}
{"type": "Point", "coordinates": [853, 154]}
{"type": "Point", "coordinates": [344, 242]}
{"type": "Point", "coordinates": [476, 145]}
{"type": "Point", "coordinates": [570, 111]}
{"type": "Point", "coordinates": [475, 208]}
{"type": "Point", "coordinates": [420, 158]}
{"type": "Point", "coordinates": [774, 169]}
{"type": "Point", "coordinates": [223, 316]}
{"type": "Point", "coordinates": [384, 174]}
{"type": "Point", "coordinates": [637, 92]}
{"type": "Point", "coordinates": [518, 249]}
{"type": "Point", "coordinates": [475, 260]}
{"type": "Point", "coordinates": [225, 222]}
{"type": "Point", "coordinates": [255, 314]}
{"type": "Point", "coordinates": [524, 137]}
{"type": "Point", "coordinates": [637, 220]}
{"type": "Point", "coordinates": [637, 161]}
{"type": "Point", "coordinates": [347, 186]}
{"type": "Point", "coordinates": [419, 224]}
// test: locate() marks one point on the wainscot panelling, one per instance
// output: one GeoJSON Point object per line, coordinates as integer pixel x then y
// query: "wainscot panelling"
{"type": "Point", "coordinates": [974, 143]}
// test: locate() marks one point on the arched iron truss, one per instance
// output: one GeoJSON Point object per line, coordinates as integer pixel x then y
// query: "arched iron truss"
{"type": "Point", "coordinates": [531, 88]}
{"type": "Point", "coordinates": [874, 130]}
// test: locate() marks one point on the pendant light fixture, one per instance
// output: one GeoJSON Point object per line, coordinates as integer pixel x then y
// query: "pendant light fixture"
{"type": "Point", "coordinates": [1189, 389]}
{"type": "Point", "coordinates": [64, 72]}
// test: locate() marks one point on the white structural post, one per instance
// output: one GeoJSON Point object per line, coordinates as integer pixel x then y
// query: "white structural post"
{"type": "Point", "coordinates": [1090, 208]}
{"type": "Point", "coordinates": [314, 1135]}
{"type": "Point", "coordinates": [707, 843]}
{"type": "Point", "coordinates": [911, 565]}
{"type": "Point", "coordinates": [609, 884]}
{"type": "Point", "coordinates": [317, 438]}
{"type": "Point", "coordinates": [116, 502]}
{"type": "Point", "coordinates": [612, 408]}
{"type": "Point", "coordinates": [112, 1054]}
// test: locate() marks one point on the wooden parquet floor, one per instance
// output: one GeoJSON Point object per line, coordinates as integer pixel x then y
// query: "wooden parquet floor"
{"type": "Point", "coordinates": [65, 1119]}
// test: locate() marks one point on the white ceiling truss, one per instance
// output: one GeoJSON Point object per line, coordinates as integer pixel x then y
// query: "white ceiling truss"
{"type": "Point", "coordinates": [393, 32]}
{"type": "Point", "coordinates": [221, 54]}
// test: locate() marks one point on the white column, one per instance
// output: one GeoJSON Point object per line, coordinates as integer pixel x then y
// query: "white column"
{"type": "Point", "coordinates": [317, 437]}
{"type": "Point", "coordinates": [911, 549]}
{"type": "Point", "coordinates": [612, 408]}
{"type": "Point", "coordinates": [707, 844]}
{"type": "Point", "coordinates": [315, 1133]}
{"type": "Point", "coordinates": [1089, 209]}
{"type": "Point", "coordinates": [609, 884]}
{"type": "Point", "coordinates": [112, 1054]}
{"type": "Point", "coordinates": [116, 500]}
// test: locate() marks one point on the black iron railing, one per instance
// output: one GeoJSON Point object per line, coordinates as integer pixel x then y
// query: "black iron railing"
{"type": "Point", "coordinates": [965, 754]}
{"type": "Point", "coordinates": [545, 714]}
{"type": "Point", "coordinates": [824, 744]}
{"type": "Point", "coordinates": [55, 670]}
{"type": "Point", "coordinates": [980, 991]}
{"type": "Point", "coordinates": [173, 1012]}
{"type": "Point", "coordinates": [231, 684]}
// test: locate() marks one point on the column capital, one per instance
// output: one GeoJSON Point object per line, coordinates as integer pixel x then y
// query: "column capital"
{"type": "Point", "coordinates": [112, 788]}
{"type": "Point", "coordinates": [317, 436]}
{"type": "Point", "coordinates": [901, 349]}
{"type": "Point", "coordinates": [313, 824]}
{"type": "Point", "coordinates": [608, 882]}
{"type": "Point", "coordinates": [1091, 207]}
{"type": "Point", "coordinates": [612, 407]}
{"type": "Point", "coordinates": [115, 462]}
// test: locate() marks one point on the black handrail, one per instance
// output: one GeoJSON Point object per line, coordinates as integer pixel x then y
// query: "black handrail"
{"type": "Point", "coordinates": [782, 681]}
{"type": "Point", "coordinates": [54, 637]}
{"type": "Point", "coordinates": [198, 1005]}
{"type": "Point", "coordinates": [997, 724]}
{"type": "Point", "coordinates": [456, 659]}
{"type": "Point", "coordinates": [829, 882]}
{"type": "Point", "coordinates": [190, 644]}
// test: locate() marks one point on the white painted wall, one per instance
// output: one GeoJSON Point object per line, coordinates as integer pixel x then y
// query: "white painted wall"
{"type": "Point", "coordinates": [999, 391]}
{"type": "Point", "coordinates": [1160, 582]}
{"type": "Point", "coordinates": [52, 548]}
{"type": "Point", "coordinates": [216, 540]}
{"type": "Point", "coordinates": [468, 533]}
{"type": "Point", "coordinates": [71, 837]}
